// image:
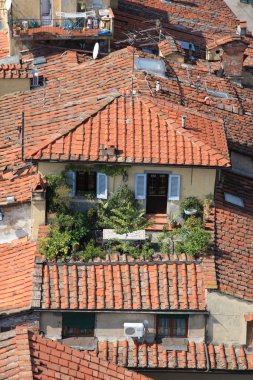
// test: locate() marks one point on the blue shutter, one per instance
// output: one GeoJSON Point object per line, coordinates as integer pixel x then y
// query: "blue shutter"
{"type": "Point", "coordinates": [174, 187]}
{"type": "Point", "coordinates": [102, 186]}
{"type": "Point", "coordinates": [140, 186]}
{"type": "Point", "coordinates": [71, 181]}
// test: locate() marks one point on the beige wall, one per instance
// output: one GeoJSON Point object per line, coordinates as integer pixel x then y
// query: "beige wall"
{"type": "Point", "coordinates": [197, 327]}
{"type": "Point", "coordinates": [25, 9]}
{"type": "Point", "coordinates": [38, 215]}
{"type": "Point", "coordinates": [226, 323]}
{"type": "Point", "coordinates": [194, 182]}
{"type": "Point", "coordinates": [8, 86]}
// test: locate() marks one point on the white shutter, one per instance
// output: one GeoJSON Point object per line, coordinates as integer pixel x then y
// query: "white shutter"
{"type": "Point", "coordinates": [140, 186]}
{"type": "Point", "coordinates": [174, 187]}
{"type": "Point", "coordinates": [71, 181]}
{"type": "Point", "coordinates": [101, 186]}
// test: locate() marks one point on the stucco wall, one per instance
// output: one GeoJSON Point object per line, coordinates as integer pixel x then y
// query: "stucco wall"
{"type": "Point", "coordinates": [51, 325]}
{"type": "Point", "coordinates": [17, 222]}
{"type": "Point", "coordinates": [7, 86]}
{"type": "Point", "coordinates": [226, 323]}
{"type": "Point", "coordinates": [196, 328]}
{"type": "Point", "coordinates": [194, 181]}
{"type": "Point", "coordinates": [25, 9]}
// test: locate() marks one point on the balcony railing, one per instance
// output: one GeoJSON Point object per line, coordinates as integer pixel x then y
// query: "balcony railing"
{"type": "Point", "coordinates": [68, 25]}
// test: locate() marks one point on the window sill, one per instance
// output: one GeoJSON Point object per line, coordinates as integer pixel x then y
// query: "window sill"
{"type": "Point", "coordinates": [174, 343]}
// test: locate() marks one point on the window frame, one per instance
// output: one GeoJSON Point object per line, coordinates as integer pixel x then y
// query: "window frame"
{"type": "Point", "coordinates": [84, 192]}
{"type": "Point", "coordinates": [171, 318]}
{"type": "Point", "coordinates": [75, 335]}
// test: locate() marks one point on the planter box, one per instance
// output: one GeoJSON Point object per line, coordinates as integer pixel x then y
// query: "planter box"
{"type": "Point", "coordinates": [109, 234]}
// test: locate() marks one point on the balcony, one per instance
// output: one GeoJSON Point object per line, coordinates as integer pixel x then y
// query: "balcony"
{"type": "Point", "coordinates": [95, 24]}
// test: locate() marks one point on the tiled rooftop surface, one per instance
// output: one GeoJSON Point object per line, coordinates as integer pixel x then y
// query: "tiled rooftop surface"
{"type": "Point", "coordinates": [234, 237]}
{"type": "Point", "coordinates": [15, 71]}
{"type": "Point", "coordinates": [16, 273]}
{"type": "Point", "coordinates": [128, 354]}
{"type": "Point", "coordinates": [127, 286]}
{"type": "Point", "coordinates": [24, 355]}
{"type": "Point", "coordinates": [4, 44]}
{"type": "Point", "coordinates": [141, 134]}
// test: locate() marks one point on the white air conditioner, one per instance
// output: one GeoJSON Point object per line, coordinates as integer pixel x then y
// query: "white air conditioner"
{"type": "Point", "coordinates": [134, 330]}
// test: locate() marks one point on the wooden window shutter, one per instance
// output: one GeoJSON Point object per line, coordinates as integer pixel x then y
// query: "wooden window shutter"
{"type": "Point", "coordinates": [174, 187]}
{"type": "Point", "coordinates": [140, 186]}
{"type": "Point", "coordinates": [71, 181]}
{"type": "Point", "coordinates": [102, 186]}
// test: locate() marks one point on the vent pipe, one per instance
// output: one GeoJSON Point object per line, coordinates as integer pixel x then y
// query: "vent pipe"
{"type": "Point", "coordinates": [183, 121]}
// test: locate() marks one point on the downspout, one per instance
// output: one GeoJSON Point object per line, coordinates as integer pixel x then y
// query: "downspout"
{"type": "Point", "coordinates": [207, 358]}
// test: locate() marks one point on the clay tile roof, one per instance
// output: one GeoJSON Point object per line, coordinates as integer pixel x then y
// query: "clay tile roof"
{"type": "Point", "coordinates": [24, 355]}
{"type": "Point", "coordinates": [223, 41]}
{"type": "Point", "coordinates": [234, 232]}
{"type": "Point", "coordinates": [140, 134]}
{"type": "Point", "coordinates": [133, 285]}
{"type": "Point", "coordinates": [16, 273]}
{"type": "Point", "coordinates": [4, 44]}
{"type": "Point", "coordinates": [170, 46]}
{"type": "Point", "coordinates": [15, 71]}
{"type": "Point", "coordinates": [155, 356]}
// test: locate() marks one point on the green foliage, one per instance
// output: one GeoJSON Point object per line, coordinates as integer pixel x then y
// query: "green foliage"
{"type": "Point", "coordinates": [194, 242]}
{"type": "Point", "coordinates": [112, 170]}
{"type": "Point", "coordinates": [144, 250]}
{"type": "Point", "coordinates": [192, 222]}
{"type": "Point", "coordinates": [57, 194]}
{"type": "Point", "coordinates": [91, 251]}
{"type": "Point", "coordinates": [67, 233]}
{"type": "Point", "coordinates": [191, 203]}
{"type": "Point", "coordinates": [122, 212]}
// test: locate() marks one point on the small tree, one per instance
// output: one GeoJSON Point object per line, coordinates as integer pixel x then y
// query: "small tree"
{"type": "Point", "coordinates": [122, 212]}
{"type": "Point", "coordinates": [57, 194]}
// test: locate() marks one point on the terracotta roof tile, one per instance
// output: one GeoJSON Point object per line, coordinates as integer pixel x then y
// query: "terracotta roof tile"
{"type": "Point", "coordinates": [4, 44]}
{"type": "Point", "coordinates": [16, 272]}
{"type": "Point", "coordinates": [129, 125]}
{"type": "Point", "coordinates": [151, 356]}
{"type": "Point", "coordinates": [159, 285]}
{"type": "Point", "coordinates": [234, 234]}
{"type": "Point", "coordinates": [24, 355]}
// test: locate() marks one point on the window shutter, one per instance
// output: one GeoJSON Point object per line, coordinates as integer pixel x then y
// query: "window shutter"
{"type": "Point", "coordinates": [174, 187]}
{"type": "Point", "coordinates": [140, 186]}
{"type": "Point", "coordinates": [101, 186]}
{"type": "Point", "coordinates": [71, 181]}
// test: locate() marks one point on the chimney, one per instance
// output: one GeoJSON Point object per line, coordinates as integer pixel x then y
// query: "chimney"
{"type": "Point", "coordinates": [241, 28]}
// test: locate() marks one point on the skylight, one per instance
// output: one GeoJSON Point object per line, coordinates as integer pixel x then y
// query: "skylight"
{"type": "Point", "coordinates": [235, 200]}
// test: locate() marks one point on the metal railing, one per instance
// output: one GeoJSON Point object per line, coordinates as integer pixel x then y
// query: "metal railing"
{"type": "Point", "coordinates": [63, 27]}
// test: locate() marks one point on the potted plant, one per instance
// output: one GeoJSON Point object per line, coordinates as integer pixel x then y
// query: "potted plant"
{"type": "Point", "coordinates": [191, 206]}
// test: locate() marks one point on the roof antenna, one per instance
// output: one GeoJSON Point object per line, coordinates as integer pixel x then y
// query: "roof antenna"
{"type": "Point", "coordinates": [23, 135]}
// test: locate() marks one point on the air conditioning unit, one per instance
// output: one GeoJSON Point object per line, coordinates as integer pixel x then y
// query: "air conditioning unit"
{"type": "Point", "coordinates": [134, 330]}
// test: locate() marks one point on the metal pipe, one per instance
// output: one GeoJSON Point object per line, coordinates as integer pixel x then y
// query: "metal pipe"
{"type": "Point", "coordinates": [23, 135]}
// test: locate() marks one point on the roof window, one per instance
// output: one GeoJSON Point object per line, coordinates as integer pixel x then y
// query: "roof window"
{"type": "Point", "coordinates": [235, 200]}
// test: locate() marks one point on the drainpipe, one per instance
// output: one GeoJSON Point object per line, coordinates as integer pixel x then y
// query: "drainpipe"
{"type": "Point", "coordinates": [23, 135]}
{"type": "Point", "coordinates": [207, 358]}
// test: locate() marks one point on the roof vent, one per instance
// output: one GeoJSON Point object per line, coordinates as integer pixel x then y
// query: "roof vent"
{"type": "Point", "coordinates": [153, 66]}
{"type": "Point", "coordinates": [111, 151]}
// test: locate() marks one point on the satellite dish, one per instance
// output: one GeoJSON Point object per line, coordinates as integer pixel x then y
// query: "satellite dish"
{"type": "Point", "coordinates": [8, 4]}
{"type": "Point", "coordinates": [96, 50]}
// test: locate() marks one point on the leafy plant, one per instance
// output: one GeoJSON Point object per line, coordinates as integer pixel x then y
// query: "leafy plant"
{"type": "Point", "coordinates": [122, 212]}
{"type": "Point", "coordinates": [193, 222]}
{"type": "Point", "coordinates": [57, 194]}
{"type": "Point", "coordinates": [191, 203]}
{"type": "Point", "coordinates": [194, 242]}
{"type": "Point", "coordinates": [67, 234]}
{"type": "Point", "coordinates": [91, 251]}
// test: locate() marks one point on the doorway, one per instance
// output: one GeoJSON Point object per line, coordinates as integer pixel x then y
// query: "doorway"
{"type": "Point", "coordinates": [45, 6]}
{"type": "Point", "coordinates": [157, 193]}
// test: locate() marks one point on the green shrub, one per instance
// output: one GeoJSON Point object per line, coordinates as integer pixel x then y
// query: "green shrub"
{"type": "Point", "coordinates": [194, 241]}
{"type": "Point", "coordinates": [91, 251]}
{"type": "Point", "coordinates": [122, 212]}
{"type": "Point", "coordinates": [193, 222]}
{"type": "Point", "coordinates": [57, 194]}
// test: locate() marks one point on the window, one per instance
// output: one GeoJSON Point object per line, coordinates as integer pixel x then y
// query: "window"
{"type": "Point", "coordinates": [230, 198]}
{"type": "Point", "coordinates": [172, 326]}
{"type": "Point", "coordinates": [78, 324]}
{"type": "Point", "coordinates": [250, 334]}
{"type": "Point", "coordinates": [85, 183]}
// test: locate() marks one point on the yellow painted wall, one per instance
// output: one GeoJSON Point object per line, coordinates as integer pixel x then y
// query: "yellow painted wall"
{"type": "Point", "coordinates": [8, 86]}
{"type": "Point", "coordinates": [25, 9]}
{"type": "Point", "coordinates": [194, 181]}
